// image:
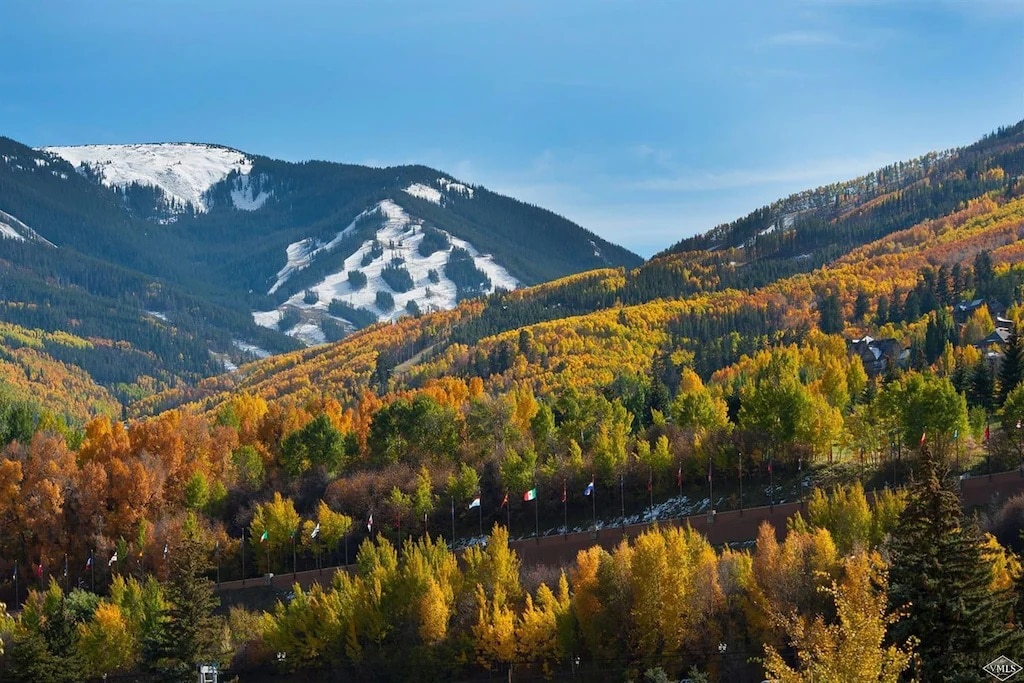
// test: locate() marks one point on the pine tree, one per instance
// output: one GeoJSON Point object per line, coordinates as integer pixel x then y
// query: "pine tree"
{"type": "Point", "coordinates": [940, 577]}
{"type": "Point", "coordinates": [190, 632]}
{"type": "Point", "coordinates": [1011, 371]}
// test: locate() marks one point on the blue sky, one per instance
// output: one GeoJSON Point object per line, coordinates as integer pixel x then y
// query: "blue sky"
{"type": "Point", "coordinates": [643, 121]}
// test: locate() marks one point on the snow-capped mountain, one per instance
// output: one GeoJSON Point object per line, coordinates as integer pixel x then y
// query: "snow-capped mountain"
{"type": "Point", "coordinates": [399, 245]}
{"type": "Point", "coordinates": [201, 256]}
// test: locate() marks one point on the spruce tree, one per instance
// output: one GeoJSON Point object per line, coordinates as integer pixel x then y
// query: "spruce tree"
{"type": "Point", "coordinates": [1011, 371]}
{"type": "Point", "coordinates": [940, 578]}
{"type": "Point", "coordinates": [190, 632]}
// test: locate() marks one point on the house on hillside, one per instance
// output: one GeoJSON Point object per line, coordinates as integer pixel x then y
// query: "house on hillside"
{"type": "Point", "coordinates": [878, 355]}
{"type": "Point", "coordinates": [1004, 324]}
{"type": "Point", "coordinates": [962, 311]}
{"type": "Point", "coordinates": [993, 345]}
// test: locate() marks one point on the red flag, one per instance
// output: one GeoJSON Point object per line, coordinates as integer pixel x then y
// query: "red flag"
{"type": "Point", "coordinates": [986, 433]}
{"type": "Point", "coordinates": [924, 438]}
{"type": "Point", "coordinates": [39, 570]}
{"type": "Point", "coordinates": [504, 502]}
{"type": "Point", "coordinates": [769, 467]}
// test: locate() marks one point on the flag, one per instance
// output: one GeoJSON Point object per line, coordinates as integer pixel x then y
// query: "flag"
{"type": "Point", "coordinates": [316, 531]}
{"type": "Point", "coordinates": [531, 494]}
{"type": "Point", "coordinates": [769, 467]}
{"type": "Point", "coordinates": [369, 523]}
{"type": "Point", "coordinates": [590, 488]}
{"type": "Point", "coordinates": [166, 548]}
{"type": "Point", "coordinates": [475, 503]}
{"type": "Point", "coordinates": [986, 433]}
{"type": "Point", "coordinates": [65, 564]}
{"type": "Point", "coordinates": [113, 559]}
{"type": "Point", "coordinates": [264, 536]}
{"type": "Point", "coordinates": [924, 438]}
{"type": "Point", "coordinates": [565, 494]}
{"type": "Point", "coordinates": [14, 574]}
{"type": "Point", "coordinates": [956, 433]}
{"type": "Point", "coordinates": [650, 482]}
{"type": "Point", "coordinates": [39, 570]}
{"type": "Point", "coordinates": [88, 563]}
{"type": "Point", "coordinates": [679, 476]}
{"type": "Point", "coordinates": [504, 501]}
{"type": "Point", "coordinates": [709, 471]}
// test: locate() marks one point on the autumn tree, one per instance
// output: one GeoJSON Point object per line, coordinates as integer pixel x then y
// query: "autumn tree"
{"type": "Point", "coordinates": [853, 648]}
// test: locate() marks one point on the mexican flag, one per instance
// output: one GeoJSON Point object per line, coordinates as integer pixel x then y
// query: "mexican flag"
{"type": "Point", "coordinates": [531, 494]}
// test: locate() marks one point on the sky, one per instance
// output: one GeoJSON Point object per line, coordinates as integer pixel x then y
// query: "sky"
{"type": "Point", "coordinates": [644, 121]}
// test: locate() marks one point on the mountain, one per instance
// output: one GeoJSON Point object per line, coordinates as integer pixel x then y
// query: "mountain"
{"type": "Point", "coordinates": [191, 258]}
{"type": "Point", "coordinates": [881, 251]}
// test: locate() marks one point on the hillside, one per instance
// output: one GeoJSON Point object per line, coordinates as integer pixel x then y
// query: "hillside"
{"type": "Point", "coordinates": [696, 309]}
{"type": "Point", "coordinates": [558, 406]}
{"type": "Point", "coordinates": [189, 259]}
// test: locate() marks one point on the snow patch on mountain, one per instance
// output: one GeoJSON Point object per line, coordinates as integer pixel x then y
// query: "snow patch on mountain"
{"type": "Point", "coordinates": [424, 192]}
{"type": "Point", "coordinates": [245, 197]}
{"type": "Point", "coordinates": [183, 171]}
{"type": "Point", "coordinates": [452, 186]}
{"type": "Point", "coordinates": [400, 236]}
{"type": "Point", "coordinates": [246, 347]}
{"type": "Point", "coordinates": [14, 229]}
{"type": "Point", "coordinates": [436, 196]}
{"type": "Point", "coordinates": [300, 254]}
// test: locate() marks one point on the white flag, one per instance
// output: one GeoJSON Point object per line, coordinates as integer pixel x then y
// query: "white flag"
{"type": "Point", "coordinates": [316, 531]}
{"type": "Point", "coordinates": [113, 559]}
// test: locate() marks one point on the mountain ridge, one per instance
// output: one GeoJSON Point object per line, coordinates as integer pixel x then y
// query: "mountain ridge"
{"type": "Point", "coordinates": [215, 229]}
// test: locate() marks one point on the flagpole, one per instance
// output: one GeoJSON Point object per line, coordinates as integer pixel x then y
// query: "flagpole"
{"type": "Point", "coordinates": [508, 514]}
{"type": "Point", "coordinates": [92, 566]}
{"type": "Point", "coordinates": [565, 509]}
{"type": "Point", "coordinates": [739, 475]}
{"type": "Point", "coordinates": [593, 502]}
{"type": "Point", "coordinates": [15, 584]}
{"type": "Point", "coordinates": [650, 489]}
{"type": "Point", "coordinates": [453, 522]}
{"type": "Point", "coordinates": [536, 512]}
{"type": "Point", "coordinates": [711, 488]}
{"type": "Point", "coordinates": [480, 514]}
{"type": "Point", "coordinates": [243, 556]}
{"type": "Point", "coordinates": [294, 556]}
{"type": "Point", "coordinates": [622, 499]}
{"type": "Point", "coordinates": [65, 573]}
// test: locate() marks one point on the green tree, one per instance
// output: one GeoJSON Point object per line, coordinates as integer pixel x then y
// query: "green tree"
{"type": "Point", "coordinates": [941, 579]}
{"type": "Point", "coordinates": [1011, 370]}
{"type": "Point", "coordinates": [191, 632]}
{"type": "Point", "coordinates": [318, 444]}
